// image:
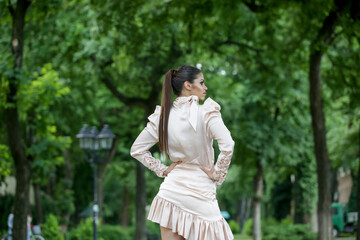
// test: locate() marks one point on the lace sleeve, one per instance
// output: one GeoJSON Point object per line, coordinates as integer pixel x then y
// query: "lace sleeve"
{"type": "Point", "coordinates": [217, 130]}
{"type": "Point", "coordinates": [148, 138]}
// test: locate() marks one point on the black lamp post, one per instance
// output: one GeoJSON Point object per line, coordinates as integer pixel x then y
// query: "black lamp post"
{"type": "Point", "coordinates": [91, 141]}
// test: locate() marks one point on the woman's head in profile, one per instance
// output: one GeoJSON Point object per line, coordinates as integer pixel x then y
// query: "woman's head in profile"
{"type": "Point", "coordinates": [184, 82]}
{"type": "Point", "coordinates": [187, 81]}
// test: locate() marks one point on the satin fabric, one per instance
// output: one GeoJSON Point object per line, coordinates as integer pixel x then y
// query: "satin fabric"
{"type": "Point", "coordinates": [186, 201]}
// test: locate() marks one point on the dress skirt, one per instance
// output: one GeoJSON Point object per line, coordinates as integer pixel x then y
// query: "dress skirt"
{"type": "Point", "coordinates": [186, 203]}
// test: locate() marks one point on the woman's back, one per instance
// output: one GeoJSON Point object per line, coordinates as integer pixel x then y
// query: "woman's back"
{"type": "Point", "coordinates": [186, 131]}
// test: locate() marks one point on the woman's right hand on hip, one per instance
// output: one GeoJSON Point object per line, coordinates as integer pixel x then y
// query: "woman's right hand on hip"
{"type": "Point", "coordinates": [171, 167]}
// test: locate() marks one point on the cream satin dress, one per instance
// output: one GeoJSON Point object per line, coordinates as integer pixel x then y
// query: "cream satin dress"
{"type": "Point", "coordinates": [186, 201]}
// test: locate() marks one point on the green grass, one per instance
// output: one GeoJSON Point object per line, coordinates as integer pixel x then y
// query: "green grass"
{"type": "Point", "coordinates": [245, 237]}
{"type": "Point", "coordinates": [242, 237]}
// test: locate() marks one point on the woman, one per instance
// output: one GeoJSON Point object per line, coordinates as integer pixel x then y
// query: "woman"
{"type": "Point", "coordinates": [186, 205]}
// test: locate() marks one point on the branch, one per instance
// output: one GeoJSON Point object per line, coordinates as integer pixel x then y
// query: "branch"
{"type": "Point", "coordinates": [326, 34]}
{"type": "Point", "coordinates": [131, 101]}
{"type": "Point", "coordinates": [254, 7]}
{"type": "Point", "coordinates": [355, 10]}
{"type": "Point", "coordinates": [27, 4]}
{"type": "Point", "coordinates": [141, 102]}
{"type": "Point", "coordinates": [238, 44]}
{"type": "Point", "coordinates": [11, 9]}
{"type": "Point", "coordinates": [277, 112]}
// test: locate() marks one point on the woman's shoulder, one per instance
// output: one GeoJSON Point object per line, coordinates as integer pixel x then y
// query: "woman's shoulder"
{"type": "Point", "coordinates": [210, 110]}
{"type": "Point", "coordinates": [154, 117]}
{"type": "Point", "coordinates": [210, 105]}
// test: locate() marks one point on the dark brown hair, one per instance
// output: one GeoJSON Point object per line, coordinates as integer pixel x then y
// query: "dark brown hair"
{"type": "Point", "coordinates": [173, 81]}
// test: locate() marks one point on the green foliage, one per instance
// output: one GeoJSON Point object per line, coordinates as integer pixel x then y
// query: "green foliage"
{"type": "Point", "coordinates": [51, 229]}
{"type": "Point", "coordinates": [281, 199]}
{"type": "Point", "coordinates": [47, 154]}
{"type": "Point", "coordinates": [61, 203]}
{"type": "Point", "coordinates": [110, 232]}
{"type": "Point", "coordinates": [43, 91]}
{"type": "Point", "coordinates": [153, 229]}
{"type": "Point", "coordinates": [119, 189]}
{"type": "Point", "coordinates": [234, 226]}
{"type": "Point", "coordinates": [288, 232]}
{"type": "Point", "coordinates": [255, 64]}
{"type": "Point", "coordinates": [84, 231]}
{"type": "Point", "coordinates": [5, 162]}
{"type": "Point", "coordinates": [235, 188]}
{"type": "Point", "coordinates": [353, 203]}
{"type": "Point", "coordinates": [248, 227]}
{"type": "Point", "coordinates": [6, 204]}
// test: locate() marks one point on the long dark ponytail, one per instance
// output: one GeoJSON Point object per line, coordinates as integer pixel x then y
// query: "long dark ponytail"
{"type": "Point", "coordinates": [173, 81]}
{"type": "Point", "coordinates": [165, 111]}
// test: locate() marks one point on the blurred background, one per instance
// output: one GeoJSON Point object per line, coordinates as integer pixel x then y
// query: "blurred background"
{"type": "Point", "coordinates": [65, 63]}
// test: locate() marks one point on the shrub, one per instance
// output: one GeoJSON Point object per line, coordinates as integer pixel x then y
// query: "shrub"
{"type": "Point", "coordinates": [84, 231]}
{"type": "Point", "coordinates": [51, 229]}
{"type": "Point", "coordinates": [272, 230]}
{"type": "Point", "coordinates": [153, 230]}
{"type": "Point", "coordinates": [234, 226]}
{"type": "Point", "coordinates": [288, 232]}
{"type": "Point", "coordinates": [248, 227]}
{"type": "Point", "coordinates": [287, 221]}
{"type": "Point", "coordinates": [111, 232]}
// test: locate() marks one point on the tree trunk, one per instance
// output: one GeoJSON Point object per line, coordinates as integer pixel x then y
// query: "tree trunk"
{"type": "Point", "coordinates": [15, 140]}
{"type": "Point", "coordinates": [298, 190]}
{"type": "Point", "coordinates": [140, 232]}
{"type": "Point", "coordinates": [21, 198]}
{"type": "Point", "coordinates": [38, 206]}
{"type": "Point", "coordinates": [321, 153]}
{"type": "Point", "coordinates": [298, 200]}
{"type": "Point", "coordinates": [244, 212]}
{"type": "Point", "coordinates": [318, 46]}
{"type": "Point", "coordinates": [124, 211]}
{"type": "Point", "coordinates": [238, 209]}
{"type": "Point", "coordinates": [68, 185]}
{"type": "Point", "coordinates": [258, 185]}
{"type": "Point", "coordinates": [358, 194]}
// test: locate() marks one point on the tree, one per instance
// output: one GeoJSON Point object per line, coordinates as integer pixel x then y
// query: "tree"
{"type": "Point", "coordinates": [15, 138]}
{"type": "Point", "coordinates": [317, 48]}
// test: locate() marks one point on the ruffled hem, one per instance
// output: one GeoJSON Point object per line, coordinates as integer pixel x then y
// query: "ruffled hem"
{"type": "Point", "coordinates": [186, 224]}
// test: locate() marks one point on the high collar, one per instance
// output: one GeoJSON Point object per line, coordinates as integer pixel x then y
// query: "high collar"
{"type": "Point", "coordinates": [179, 101]}
{"type": "Point", "coordinates": [193, 103]}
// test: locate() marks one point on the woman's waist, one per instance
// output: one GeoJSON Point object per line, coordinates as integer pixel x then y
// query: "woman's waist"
{"type": "Point", "coordinates": [188, 171]}
{"type": "Point", "coordinates": [188, 178]}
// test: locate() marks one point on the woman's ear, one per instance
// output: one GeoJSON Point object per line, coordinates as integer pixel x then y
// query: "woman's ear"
{"type": "Point", "coordinates": [187, 85]}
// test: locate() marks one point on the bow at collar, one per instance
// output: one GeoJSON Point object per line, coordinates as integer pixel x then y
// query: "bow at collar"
{"type": "Point", "coordinates": [193, 101]}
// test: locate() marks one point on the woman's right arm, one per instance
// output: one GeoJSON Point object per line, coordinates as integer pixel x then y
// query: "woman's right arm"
{"type": "Point", "coordinates": [148, 138]}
